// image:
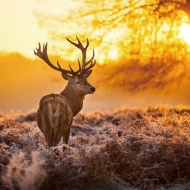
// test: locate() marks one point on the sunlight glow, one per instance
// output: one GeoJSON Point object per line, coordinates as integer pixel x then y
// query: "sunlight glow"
{"type": "Point", "coordinates": [20, 31]}
{"type": "Point", "coordinates": [113, 54]}
{"type": "Point", "coordinates": [185, 33]}
{"type": "Point", "coordinates": [115, 41]}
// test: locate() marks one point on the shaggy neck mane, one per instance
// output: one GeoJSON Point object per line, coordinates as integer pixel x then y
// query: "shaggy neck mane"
{"type": "Point", "coordinates": [74, 100]}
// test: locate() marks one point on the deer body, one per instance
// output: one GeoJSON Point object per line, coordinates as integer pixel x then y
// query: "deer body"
{"type": "Point", "coordinates": [54, 118]}
{"type": "Point", "coordinates": [56, 111]}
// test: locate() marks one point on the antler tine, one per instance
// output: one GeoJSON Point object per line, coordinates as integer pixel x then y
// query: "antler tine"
{"type": "Point", "coordinates": [83, 50]}
{"type": "Point", "coordinates": [71, 68]}
{"type": "Point", "coordinates": [38, 50]}
{"type": "Point", "coordinates": [79, 45]}
{"type": "Point", "coordinates": [88, 68]}
{"type": "Point", "coordinates": [59, 66]}
{"type": "Point", "coordinates": [90, 60]}
{"type": "Point", "coordinates": [87, 43]}
{"type": "Point", "coordinates": [44, 56]}
{"type": "Point", "coordinates": [79, 65]}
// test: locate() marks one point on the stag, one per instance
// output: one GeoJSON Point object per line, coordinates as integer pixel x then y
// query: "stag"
{"type": "Point", "coordinates": [56, 111]}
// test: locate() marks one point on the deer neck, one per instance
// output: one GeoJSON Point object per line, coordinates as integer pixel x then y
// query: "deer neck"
{"type": "Point", "coordinates": [74, 100]}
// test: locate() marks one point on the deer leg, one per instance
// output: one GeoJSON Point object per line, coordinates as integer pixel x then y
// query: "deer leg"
{"type": "Point", "coordinates": [66, 137]}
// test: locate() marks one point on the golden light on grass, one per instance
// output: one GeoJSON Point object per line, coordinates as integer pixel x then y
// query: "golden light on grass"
{"type": "Point", "coordinates": [185, 33]}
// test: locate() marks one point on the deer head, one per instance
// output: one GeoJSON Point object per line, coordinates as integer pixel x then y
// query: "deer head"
{"type": "Point", "coordinates": [77, 79]}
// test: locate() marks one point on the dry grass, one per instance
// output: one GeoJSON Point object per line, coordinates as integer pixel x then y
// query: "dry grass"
{"type": "Point", "coordinates": [123, 149]}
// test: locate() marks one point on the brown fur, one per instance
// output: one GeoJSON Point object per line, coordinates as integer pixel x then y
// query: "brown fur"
{"type": "Point", "coordinates": [54, 118]}
{"type": "Point", "coordinates": [56, 111]}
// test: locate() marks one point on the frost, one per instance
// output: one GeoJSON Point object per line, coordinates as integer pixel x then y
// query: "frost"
{"type": "Point", "coordinates": [23, 173]}
{"type": "Point", "coordinates": [122, 149]}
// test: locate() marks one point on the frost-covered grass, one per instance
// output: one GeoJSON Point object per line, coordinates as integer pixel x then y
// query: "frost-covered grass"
{"type": "Point", "coordinates": [123, 149]}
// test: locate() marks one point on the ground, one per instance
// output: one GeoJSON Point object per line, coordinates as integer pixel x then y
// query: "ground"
{"type": "Point", "coordinates": [123, 149]}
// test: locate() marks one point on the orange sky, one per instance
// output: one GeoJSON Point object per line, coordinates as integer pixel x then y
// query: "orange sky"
{"type": "Point", "coordinates": [20, 30]}
{"type": "Point", "coordinates": [19, 27]}
{"type": "Point", "coordinates": [25, 79]}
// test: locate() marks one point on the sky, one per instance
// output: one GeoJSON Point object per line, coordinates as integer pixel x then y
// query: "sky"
{"type": "Point", "coordinates": [27, 77]}
{"type": "Point", "coordinates": [19, 29]}
{"type": "Point", "coordinates": [21, 33]}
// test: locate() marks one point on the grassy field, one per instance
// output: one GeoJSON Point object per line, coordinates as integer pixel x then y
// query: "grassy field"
{"type": "Point", "coordinates": [117, 150]}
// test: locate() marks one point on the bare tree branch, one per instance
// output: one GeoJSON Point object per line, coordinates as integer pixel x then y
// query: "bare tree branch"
{"type": "Point", "coordinates": [144, 33]}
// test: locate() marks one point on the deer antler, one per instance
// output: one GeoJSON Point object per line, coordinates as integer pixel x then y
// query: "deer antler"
{"type": "Point", "coordinates": [43, 55]}
{"type": "Point", "coordinates": [83, 50]}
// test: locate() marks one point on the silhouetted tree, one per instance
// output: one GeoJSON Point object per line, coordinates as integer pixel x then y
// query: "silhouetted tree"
{"type": "Point", "coordinates": [138, 37]}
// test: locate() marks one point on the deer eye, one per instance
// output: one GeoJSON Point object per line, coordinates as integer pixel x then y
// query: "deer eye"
{"type": "Point", "coordinates": [78, 82]}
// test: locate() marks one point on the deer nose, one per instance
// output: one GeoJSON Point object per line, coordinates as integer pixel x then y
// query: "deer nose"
{"type": "Point", "coordinates": [92, 89]}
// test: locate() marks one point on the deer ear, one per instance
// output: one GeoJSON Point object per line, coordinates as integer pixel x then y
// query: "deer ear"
{"type": "Point", "coordinates": [87, 74]}
{"type": "Point", "coordinates": [66, 76]}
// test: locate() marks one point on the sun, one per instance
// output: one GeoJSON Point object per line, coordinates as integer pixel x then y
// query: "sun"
{"type": "Point", "coordinates": [185, 33]}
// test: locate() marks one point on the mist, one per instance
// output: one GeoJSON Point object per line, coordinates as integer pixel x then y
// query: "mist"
{"type": "Point", "coordinates": [25, 81]}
